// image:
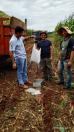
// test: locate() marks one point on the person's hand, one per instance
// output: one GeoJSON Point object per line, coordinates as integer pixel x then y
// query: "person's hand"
{"type": "Point", "coordinates": [59, 58]}
{"type": "Point", "coordinates": [14, 65]}
{"type": "Point", "coordinates": [69, 63]}
{"type": "Point", "coordinates": [33, 36]}
{"type": "Point", "coordinates": [51, 59]}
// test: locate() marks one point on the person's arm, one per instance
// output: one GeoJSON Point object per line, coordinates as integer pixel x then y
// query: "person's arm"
{"type": "Point", "coordinates": [37, 45]}
{"type": "Point", "coordinates": [27, 37]}
{"type": "Point", "coordinates": [59, 55]}
{"type": "Point", "coordinates": [12, 59]}
{"type": "Point", "coordinates": [72, 52]}
{"type": "Point", "coordinates": [12, 50]}
{"type": "Point", "coordinates": [51, 52]}
{"type": "Point", "coordinates": [71, 58]}
{"type": "Point", "coordinates": [12, 56]}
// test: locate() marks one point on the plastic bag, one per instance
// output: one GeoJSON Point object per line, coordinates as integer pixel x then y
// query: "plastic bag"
{"type": "Point", "coordinates": [33, 91]}
{"type": "Point", "coordinates": [35, 56]}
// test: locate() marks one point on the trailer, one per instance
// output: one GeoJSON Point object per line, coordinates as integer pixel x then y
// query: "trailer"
{"type": "Point", "coordinates": [7, 26]}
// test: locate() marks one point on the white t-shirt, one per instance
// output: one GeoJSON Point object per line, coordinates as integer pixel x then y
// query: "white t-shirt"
{"type": "Point", "coordinates": [17, 46]}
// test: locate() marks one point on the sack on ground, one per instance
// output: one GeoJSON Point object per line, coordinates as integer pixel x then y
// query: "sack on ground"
{"type": "Point", "coordinates": [35, 56]}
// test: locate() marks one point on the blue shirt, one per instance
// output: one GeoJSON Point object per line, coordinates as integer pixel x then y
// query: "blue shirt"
{"type": "Point", "coordinates": [45, 48]}
{"type": "Point", "coordinates": [17, 47]}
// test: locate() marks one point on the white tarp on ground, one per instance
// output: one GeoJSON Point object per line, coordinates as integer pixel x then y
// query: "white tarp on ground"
{"type": "Point", "coordinates": [33, 91]}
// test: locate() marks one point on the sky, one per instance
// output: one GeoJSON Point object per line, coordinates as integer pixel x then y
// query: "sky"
{"type": "Point", "coordinates": [40, 14]}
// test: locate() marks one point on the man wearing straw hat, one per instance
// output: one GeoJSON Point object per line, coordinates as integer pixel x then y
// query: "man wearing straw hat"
{"type": "Point", "coordinates": [66, 56]}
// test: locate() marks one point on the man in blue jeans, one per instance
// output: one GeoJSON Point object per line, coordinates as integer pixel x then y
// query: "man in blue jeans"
{"type": "Point", "coordinates": [18, 55]}
{"type": "Point", "coordinates": [66, 56]}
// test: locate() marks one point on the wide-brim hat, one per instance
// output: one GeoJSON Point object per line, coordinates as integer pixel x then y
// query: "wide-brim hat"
{"type": "Point", "coordinates": [60, 30]}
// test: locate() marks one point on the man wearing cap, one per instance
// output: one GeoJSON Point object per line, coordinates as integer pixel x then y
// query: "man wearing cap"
{"type": "Point", "coordinates": [66, 55]}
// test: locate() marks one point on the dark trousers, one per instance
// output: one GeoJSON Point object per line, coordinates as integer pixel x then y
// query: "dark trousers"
{"type": "Point", "coordinates": [46, 68]}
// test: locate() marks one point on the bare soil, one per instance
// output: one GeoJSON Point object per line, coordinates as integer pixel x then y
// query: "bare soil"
{"type": "Point", "coordinates": [52, 111]}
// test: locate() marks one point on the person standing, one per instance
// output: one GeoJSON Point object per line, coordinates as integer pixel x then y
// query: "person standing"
{"type": "Point", "coordinates": [46, 56]}
{"type": "Point", "coordinates": [18, 55]}
{"type": "Point", "coordinates": [66, 56]}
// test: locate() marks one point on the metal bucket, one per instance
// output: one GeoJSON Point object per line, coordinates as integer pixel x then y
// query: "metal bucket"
{"type": "Point", "coordinates": [37, 83]}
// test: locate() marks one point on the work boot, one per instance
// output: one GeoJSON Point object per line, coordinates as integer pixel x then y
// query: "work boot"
{"type": "Point", "coordinates": [23, 86]}
{"type": "Point", "coordinates": [60, 83]}
{"type": "Point", "coordinates": [28, 83]}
